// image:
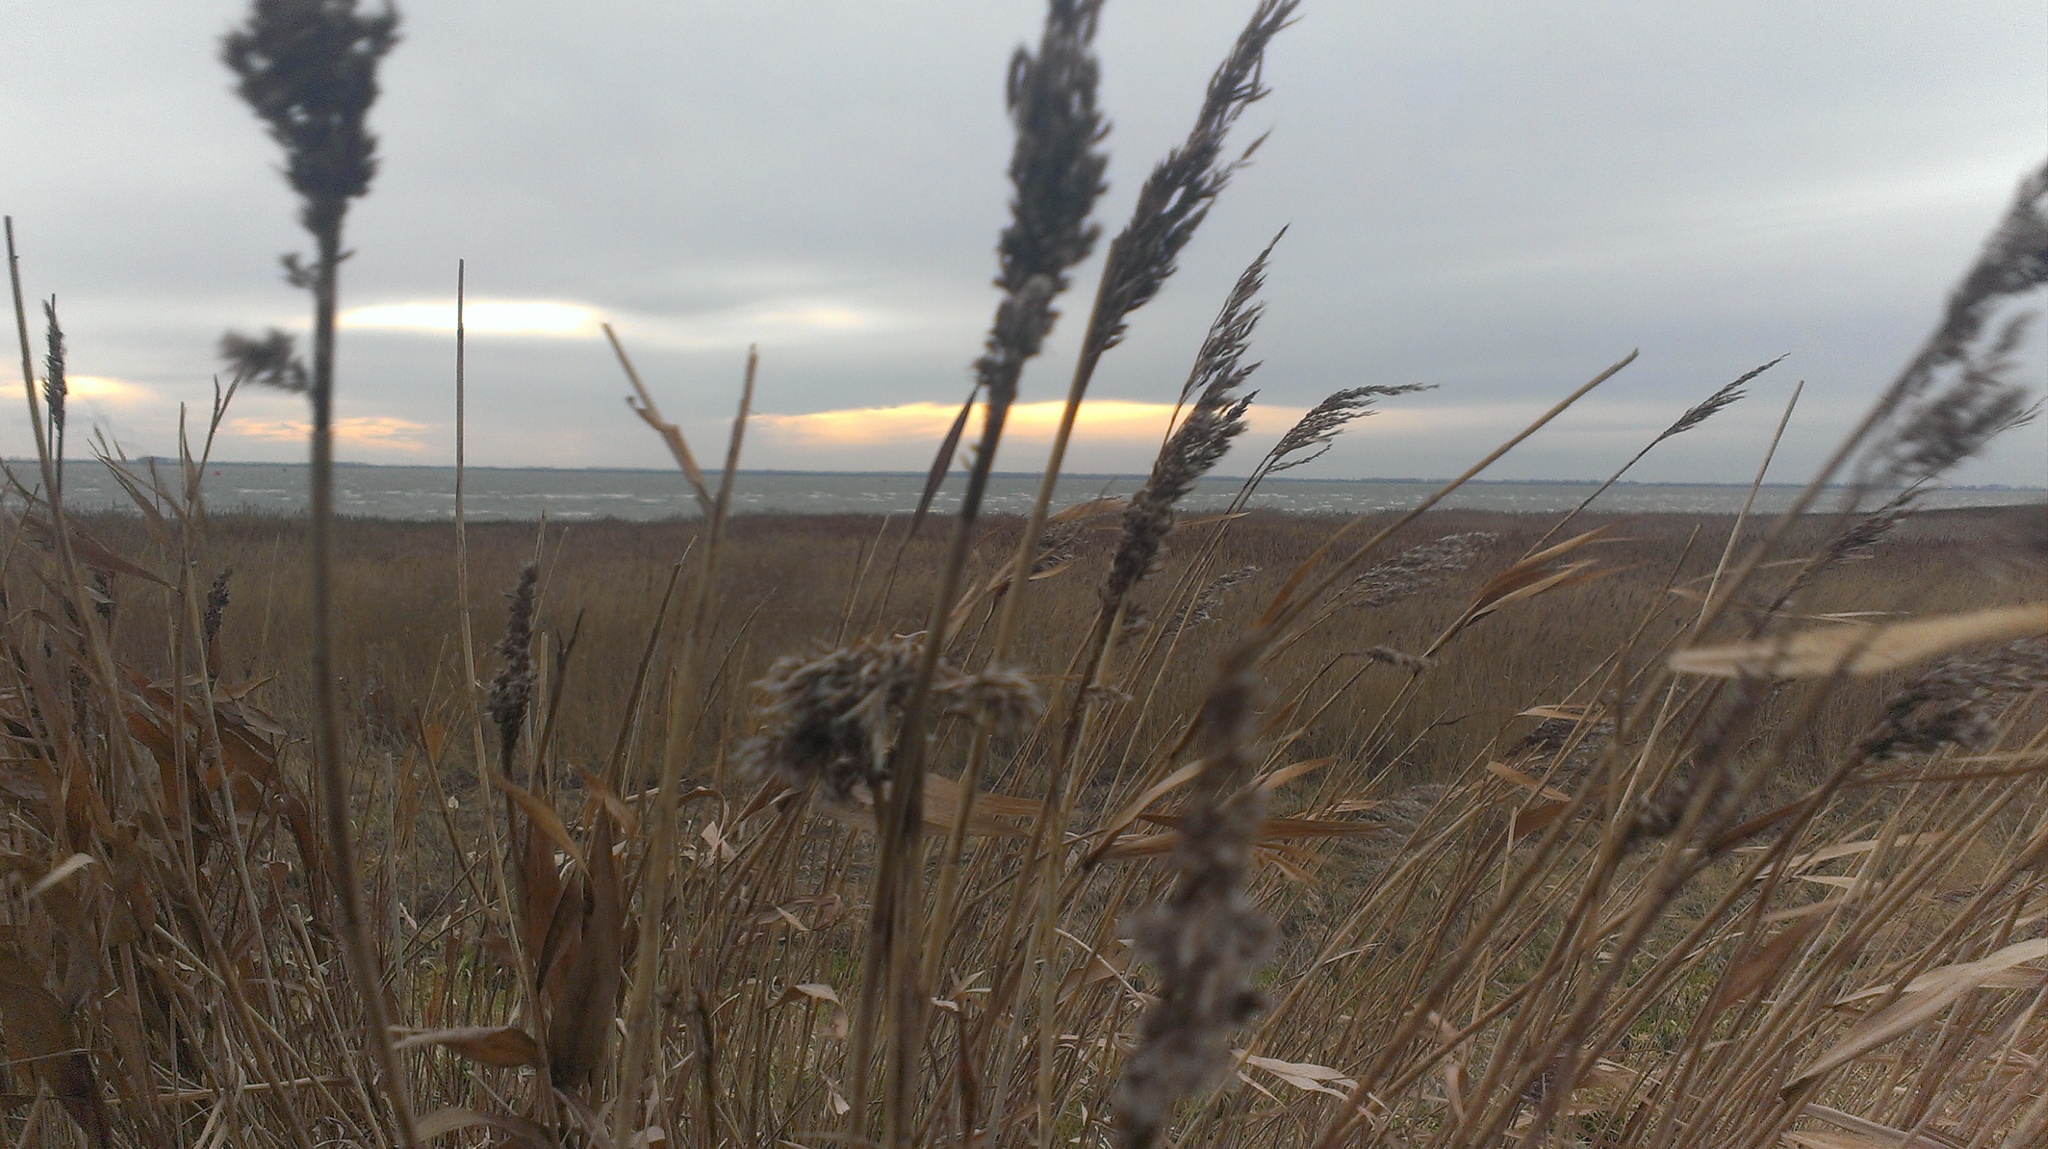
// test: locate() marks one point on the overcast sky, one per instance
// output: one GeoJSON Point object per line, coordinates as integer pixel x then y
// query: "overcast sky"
{"type": "Point", "coordinates": [1499, 198]}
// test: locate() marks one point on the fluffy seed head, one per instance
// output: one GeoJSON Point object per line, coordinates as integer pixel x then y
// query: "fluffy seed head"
{"type": "Point", "coordinates": [512, 690]}
{"type": "Point", "coordinates": [1956, 702]}
{"type": "Point", "coordinates": [55, 388]}
{"type": "Point", "coordinates": [1056, 170]}
{"type": "Point", "coordinates": [1177, 195]}
{"type": "Point", "coordinates": [1417, 568]}
{"type": "Point", "coordinates": [270, 360]}
{"type": "Point", "coordinates": [216, 605]}
{"type": "Point", "coordinates": [1207, 939]}
{"type": "Point", "coordinates": [830, 720]}
{"type": "Point", "coordinates": [308, 69]}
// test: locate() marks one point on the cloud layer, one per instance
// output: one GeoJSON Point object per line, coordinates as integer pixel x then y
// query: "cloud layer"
{"type": "Point", "coordinates": [1501, 199]}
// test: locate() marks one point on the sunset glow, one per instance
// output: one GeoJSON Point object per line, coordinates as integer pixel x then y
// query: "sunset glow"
{"type": "Point", "coordinates": [381, 432]}
{"type": "Point", "coordinates": [105, 389]}
{"type": "Point", "coordinates": [1101, 420]}
{"type": "Point", "coordinates": [544, 318]}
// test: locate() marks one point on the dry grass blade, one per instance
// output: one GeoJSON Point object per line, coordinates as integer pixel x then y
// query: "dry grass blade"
{"type": "Point", "coordinates": [89, 551]}
{"type": "Point", "coordinates": [942, 461]}
{"type": "Point", "coordinates": [1304, 1075]}
{"type": "Point", "coordinates": [543, 817]}
{"type": "Point", "coordinates": [1943, 988]}
{"type": "Point", "coordinates": [1862, 650]}
{"type": "Point", "coordinates": [642, 404]}
{"type": "Point", "coordinates": [942, 806]}
{"type": "Point", "coordinates": [58, 873]}
{"type": "Point", "coordinates": [1762, 965]}
{"type": "Point", "coordinates": [1869, 1134]}
{"type": "Point", "coordinates": [41, 1032]}
{"type": "Point", "coordinates": [1271, 832]}
{"type": "Point", "coordinates": [514, 1130]}
{"type": "Point", "coordinates": [585, 1014]}
{"type": "Point", "coordinates": [501, 1046]}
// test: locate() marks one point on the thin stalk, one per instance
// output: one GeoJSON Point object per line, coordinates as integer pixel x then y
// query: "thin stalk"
{"type": "Point", "coordinates": [1749, 500]}
{"type": "Point", "coordinates": [686, 711]}
{"type": "Point", "coordinates": [893, 924]}
{"type": "Point", "coordinates": [28, 371]}
{"type": "Point", "coordinates": [494, 838]}
{"type": "Point", "coordinates": [327, 751]}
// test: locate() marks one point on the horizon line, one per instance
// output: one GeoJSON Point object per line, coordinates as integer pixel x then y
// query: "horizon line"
{"type": "Point", "coordinates": [1078, 475]}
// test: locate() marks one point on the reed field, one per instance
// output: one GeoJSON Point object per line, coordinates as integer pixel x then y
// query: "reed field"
{"type": "Point", "coordinates": [1106, 825]}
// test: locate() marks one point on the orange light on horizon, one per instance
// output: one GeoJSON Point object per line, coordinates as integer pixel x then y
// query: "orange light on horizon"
{"type": "Point", "coordinates": [1100, 420]}
{"type": "Point", "coordinates": [377, 431]}
{"type": "Point", "coordinates": [105, 389]}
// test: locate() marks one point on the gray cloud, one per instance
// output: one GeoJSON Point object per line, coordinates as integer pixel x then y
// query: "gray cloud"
{"type": "Point", "coordinates": [1501, 198]}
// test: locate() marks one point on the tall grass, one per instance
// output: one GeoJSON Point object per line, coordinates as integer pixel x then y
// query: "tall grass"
{"type": "Point", "coordinates": [1094, 826]}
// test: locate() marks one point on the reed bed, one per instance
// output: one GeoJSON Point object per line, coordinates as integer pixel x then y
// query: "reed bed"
{"type": "Point", "coordinates": [1104, 825]}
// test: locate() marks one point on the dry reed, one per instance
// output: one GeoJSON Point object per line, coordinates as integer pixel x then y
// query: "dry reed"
{"type": "Point", "coordinates": [1693, 833]}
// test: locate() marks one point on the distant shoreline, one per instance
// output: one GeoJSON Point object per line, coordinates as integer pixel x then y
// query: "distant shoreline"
{"type": "Point", "coordinates": [1073, 476]}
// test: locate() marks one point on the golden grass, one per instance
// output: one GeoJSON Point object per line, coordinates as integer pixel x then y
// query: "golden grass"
{"type": "Point", "coordinates": [1442, 830]}
{"type": "Point", "coordinates": [1451, 868]}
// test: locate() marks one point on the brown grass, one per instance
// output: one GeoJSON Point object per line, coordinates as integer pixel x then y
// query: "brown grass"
{"type": "Point", "coordinates": [795, 831]}
{"type": "Point", "coordinates": [1417, 771]}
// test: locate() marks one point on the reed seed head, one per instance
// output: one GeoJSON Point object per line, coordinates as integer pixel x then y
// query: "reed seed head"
{"type": "Point", "coordinates": [270, 361]}
{"type": "Point", "coordinates": [1983, 402]}
{"type": "Point", "coordinates": [1417, 569]}
{"type": "Point", "coordinates": [1316, 431]}
{"type": "Point", "coordinates": [1058, 546]}
{"type": "Point", "coordinates": [830, 720]}
{"type": "Point", "coordinates": [1056, 166]}
{"type": "Point", "coordinates": [1204, 436]}
{"type": "Point", "coordinates": [1203, 609]}
{"type": "Point", "coordinates": [1177, 196]}
{"type": "Point", "coordinates": [1399, 659]}
{"type": "Point", "coordinates": [2013, 262]}
{"type": "Point", "coordinates": [1207, 939]}
{"type": "Point", "coordinates": [1956, 702]}
{"type": "Point", "coordinates": [512, 689]}
{"type": "Point", "coordinates": [1863, 536]}
{"type": "Point", "coordinates": [216, 605]}
{"type": "Point", "coordinates": [1713, 404]}
{"type": "Point", "coordinates": [1056, 170]}
{"type": "Point", "coordinates": [308, 69]}
{"type": "Point", "coordinates": [55, 388]}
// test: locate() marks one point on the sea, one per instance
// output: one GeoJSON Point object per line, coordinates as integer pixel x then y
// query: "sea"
{"type": "Point", "coordinates": [528, 494]}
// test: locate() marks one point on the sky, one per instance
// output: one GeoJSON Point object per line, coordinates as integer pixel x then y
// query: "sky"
{"type": "Point", "coordinates": [1497, 198]}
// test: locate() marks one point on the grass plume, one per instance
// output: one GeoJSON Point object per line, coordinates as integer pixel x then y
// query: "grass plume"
{"type": "Point", "coordinates": [1680, 847]}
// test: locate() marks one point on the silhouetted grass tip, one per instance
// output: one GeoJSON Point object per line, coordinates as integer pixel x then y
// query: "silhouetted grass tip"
{"type": "Point", "coordinates": [1176, 197]}
{"type": "Point", "coordinates": [309, 69]}
{"type": "Point", "coordinates": [271, 360]}
{"type": "Point", "coordinates": [1321, 425]}
{"type": "Point", "coordinates": [1203, 437]}
{"type": "Point", "coordinates": [1712, 405]}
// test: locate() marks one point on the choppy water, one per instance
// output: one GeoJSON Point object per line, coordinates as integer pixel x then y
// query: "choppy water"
{"type": "Point", "coordinates": [428, 493]}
